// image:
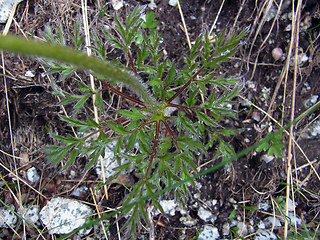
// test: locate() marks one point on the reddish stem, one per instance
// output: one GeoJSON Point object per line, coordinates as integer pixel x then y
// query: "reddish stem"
{"type": "Point", "coordinates": [116, 91]}
{"type": "Point", "coordinates": [154, 149]}
{"type": "Point", "coordinates": [184, 86]}
{"type": "Point", "coordinates": [171, 133]}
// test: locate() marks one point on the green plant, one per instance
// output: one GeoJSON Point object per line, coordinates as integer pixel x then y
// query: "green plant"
{"type": "Point", "coordinates": [200, 98]}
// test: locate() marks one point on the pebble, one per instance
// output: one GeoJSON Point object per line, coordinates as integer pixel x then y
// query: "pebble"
{"type": "Point", "coordinates": [206, 215]}
{"type": "Point", "coordinates": [8, 218]}
{"type": "Point", "coordinates": [5, 9]}
{"type": "Point", "coordinates": [30, 213]}
{"type": "Point", "coordinates": [188, 221]}
{"type": "Point", "coordinates": [169, 206]}
{"type": "Point", "coordinates": [117, 4]}
{"type": "Point", "coordinates": [265, 235]}
{"type": "Point", "coordinates": [32, 175]}
{"type": "Point", "coordinates": [173, 3]}
{"type": "Point", "coordinates": [311, 101]}
{"type": "Point", "coordinates": [209, 233]}
{"type": "Point", "coordinates": [110, 163]}
{"type": "Point", "coordinates": [63, 215]}
{"type": "Point", "coordinates": [272, 221]}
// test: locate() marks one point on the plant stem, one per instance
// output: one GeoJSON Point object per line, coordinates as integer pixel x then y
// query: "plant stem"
{"type": "Point", "coordinates": [78, 59]}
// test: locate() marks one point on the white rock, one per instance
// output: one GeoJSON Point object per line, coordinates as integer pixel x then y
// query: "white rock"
{"type": "Point", "coordinates": [30, 213]}
{"type": "Point", "coordinates": [109, 162]}
{"type": "Point", "coordinates": [209, 233]}
{"type": "Point", "coordinates": [313, 130]}
{"type": "Point", "coordinates": [117, 4]}
{"type": "Point", "coordinates": [272, 221]}
{"type": "Point", "coordinates": [265, 235]}
{"type": "Point", "coordinates": [63, 215]}
{"type": "Point", "coordinates": [29, 74]}
{"type": "Point", "coordinates": [266, 158]}
{"type": "Point", "coordinates": [5, 9]}
{"type": "Point", "coordinates": [188, 221]}
{"type": "Point", "coordinates": [311, 101]}
{"type": "Point", "coordinates": [294, 219]}
{"type": "Point", "coordinates": [32, 174]}
{"type": "Point", "coordinates": [291, 205]}
{"type": "Point", "coordinates": [206, 215]}
{"type": "Point", "coordinates": [169, 206]}
{"type": "Point", "coordinates": [8, 218]}
{"type": "Point", "coordinates": [261, 225]}
{"type": "Point", "coordinates": [225, 229]}
{"type": "Point", "coordinates": [243, 229]}
{"type": "Point", "coordinates": [173, 3]}
{"type": "Point", "coordinates": [152, 5]}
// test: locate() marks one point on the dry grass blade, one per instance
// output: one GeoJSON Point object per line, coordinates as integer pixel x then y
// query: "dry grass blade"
{"type": "Point", "coordinates": [295, 29]}
{"type": "Point", "coordinates": [99, 214]}
{"type": "Point", "coordinates": [184, 25]}
{"type": "Point", "coordinates": [95, 109]}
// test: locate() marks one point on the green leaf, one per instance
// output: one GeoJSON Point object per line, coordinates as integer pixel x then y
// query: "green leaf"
{"type": "Point", "coordinates": [276, 150]}
{"type": "Point", "coordinates": [117, 127]}
{"type": "Point", "coordinates": [203, 117]}
{"type": "Point", "coordinates": [80, 103]}
{"type": "Point", "coordinates": [149, 21]}
{"type": "Point", "coordinates": [155, 82]}
{"type": "Point", "coordinates": [232, 214]}
{"type": "Point", "coordinates": [133, 114]}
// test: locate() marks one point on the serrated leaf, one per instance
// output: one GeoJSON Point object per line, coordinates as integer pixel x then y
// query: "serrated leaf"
{"type": "Point", "coordinates": [117, 127]}
{"type": "Point", "coordinates": [134, 114]}
{"type": "Point", "coordinates": [205, 119]}
{"type": "Point", "coordinates": [80, 103]}
{"type": "Point", "coordinates": [263, 146]}
{"type": "Point", "coordinates": [276, 150]}
{"type": "Point", "coordinates": [73, 121]}
{"type": "Point", "coordinates": [149, 22]}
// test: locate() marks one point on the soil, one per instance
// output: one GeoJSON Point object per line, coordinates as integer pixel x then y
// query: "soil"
{"type": "Point", "coordinates": [34, 110]}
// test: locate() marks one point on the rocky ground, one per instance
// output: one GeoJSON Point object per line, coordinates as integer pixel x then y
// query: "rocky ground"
{"type": "Point", "coordinates": [246, 199]}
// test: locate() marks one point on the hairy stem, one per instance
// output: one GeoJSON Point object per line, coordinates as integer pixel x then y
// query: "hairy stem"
{"type": "Point", "coordinates": [78, 59]}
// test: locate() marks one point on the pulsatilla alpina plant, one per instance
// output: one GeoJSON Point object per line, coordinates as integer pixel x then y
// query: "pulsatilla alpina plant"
{"type": "Point", "coordinates": [175, 113]}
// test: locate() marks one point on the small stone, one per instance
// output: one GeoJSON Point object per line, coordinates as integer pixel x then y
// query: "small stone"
{"type": "Point", "coordinates": [29, 74]}
{"type": "Point", "coordinates": [8, 218]}
{"type": "Point", "coordinates": [264, 206]}
{"type": "Point", "coordinates": [209, 233]}
{"type": "Point", "coordinates": [206, 215]}
{"type": "Point", "coordinates": [6, 8]}
{"type": "Point", "coordinates": [291, 205]}
{"type": "Point", "coordinates": [294, 219]}
{"type": "Point", "coordinates": [63, 215]}
{"type": "Point", "coordinates": [173, 3]}
{"type": "Point", "coordinates": [272, 221]}
{"type": "Point", "coordinates": [243, 229]}
{"type": "Point", "coordinates": [277, 53]}
{"type": "Point", "coordinates": [117, 4]}
{"type": "Point", "coordinates": [152, 5]}
{"type": "Point", "coordinates": [188, 221]}
{"type": "Point", "coordinates": [169, 206]}
{"type": "Point", "coordinates": [32, 175]}
{"type": "Point", "coordinates": [265, 235]}
{"type": "Point", "coordinates": [110, 162]}
{"type": "Point", "coordinates": [226, 229]}
{"type": "Point", "coordinates": [311, 101]}
{"type": "Point", "coordinates": [266, 158]}
{"type": "Point", "coordinates": [30, 213]}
